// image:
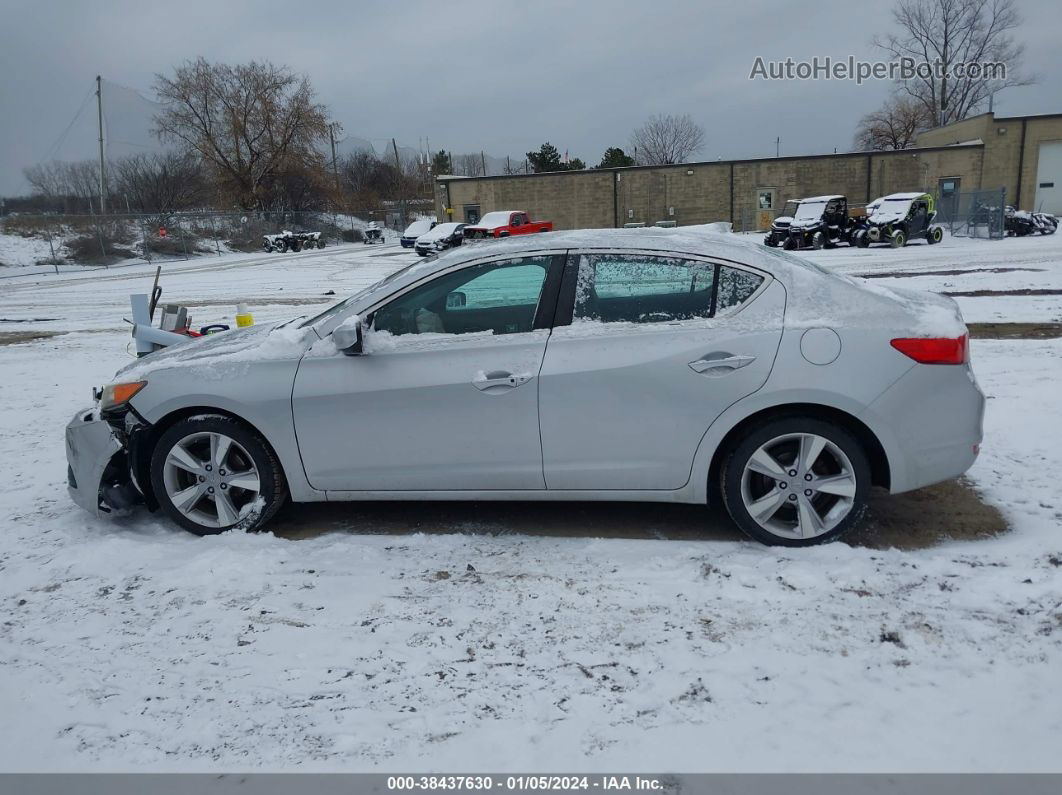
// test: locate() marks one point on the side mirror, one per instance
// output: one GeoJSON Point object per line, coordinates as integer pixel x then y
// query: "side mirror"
{"type": "Point", "coordinates": [455, 300]}
{"type": "Point", "coordinates": [348, 337]}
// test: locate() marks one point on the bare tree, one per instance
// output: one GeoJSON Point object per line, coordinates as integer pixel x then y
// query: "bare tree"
{"type": "Point", "coordinates": [947, 33]}
{"type": "Point", "coordinates": [470, 165]}
{"type": "Point", "coordinates": [667, 139]}
{"type": "Point", "coordinates": [248, 123]}
{"type": "Point", "coordinates": [894, 125]}
{"type": "Point", "coordinates": [159, 183]}
{"type": "Point", "coordinates": [76, 183]}
{"type": "Point", "coordinates": [47, 179]}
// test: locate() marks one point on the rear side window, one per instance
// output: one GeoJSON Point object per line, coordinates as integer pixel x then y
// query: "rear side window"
{"type": "Point", "coordinates": [735, 287]}
{"type": "Point", "coordinates": [631, 288]}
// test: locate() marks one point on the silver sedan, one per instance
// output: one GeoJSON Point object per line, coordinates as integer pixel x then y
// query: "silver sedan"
{"type": "Point", "coordinates": [647, 365]}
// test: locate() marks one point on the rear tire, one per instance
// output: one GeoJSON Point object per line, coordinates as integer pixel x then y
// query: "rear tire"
{"type": "Point", "coordinates": [211, 473]}
{"type": "Point", "coordinates": [806, 480]}
{"type": "Point", "coordinates": [935, 235]}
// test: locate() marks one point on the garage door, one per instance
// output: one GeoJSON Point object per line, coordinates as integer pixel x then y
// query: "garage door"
{"type": "Point", "coordinates": [1049, 178]}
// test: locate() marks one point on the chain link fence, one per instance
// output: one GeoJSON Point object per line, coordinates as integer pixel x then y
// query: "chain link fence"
{"type": "Point", "coordinates": [114, 239]}
{"type": "Point", "coordinates": [973, 213]}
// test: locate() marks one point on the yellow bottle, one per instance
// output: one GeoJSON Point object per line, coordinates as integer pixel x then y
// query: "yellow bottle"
{"type": "Point", "coordinates": [243, 316]}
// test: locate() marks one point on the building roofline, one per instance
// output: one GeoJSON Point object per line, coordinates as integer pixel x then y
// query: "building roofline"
{"type": "Point", "coordinates": [1028, 116]}
{"type": "Point", "coordinates": [442, 178]}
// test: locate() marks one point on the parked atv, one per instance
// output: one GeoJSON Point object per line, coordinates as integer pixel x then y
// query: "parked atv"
{"type": "Point", "coordinates": [820, 221]}
{"type": "Point", "coordinates": [899, 218]}
{"type": "Point", "coordinates": [312, 240]}
{"type": "Point", "coordinates": [283, 242]}
{"type": "Point", "coordinates": [780, 226]}
{"type": "Point", "coordinates": [372, 234]}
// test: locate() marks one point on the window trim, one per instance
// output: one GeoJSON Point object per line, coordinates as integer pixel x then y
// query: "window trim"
{"type": "Point", "coordinates": [566, 301]}
{"type": "Point", "coordinates": [547, 300]}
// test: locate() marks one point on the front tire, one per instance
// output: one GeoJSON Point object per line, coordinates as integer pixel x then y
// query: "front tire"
{"type": "Point", "coordinates": [211, 473]}
{"type": "Point", "coordinates": [898, 239]}
{"type": "Point", "coordinates": [796, 482]}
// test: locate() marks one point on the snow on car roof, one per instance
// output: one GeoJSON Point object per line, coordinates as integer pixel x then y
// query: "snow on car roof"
{"type": "Point", "coordinates": [897, 197]}
{"type": "Point", "coordinates": [815, 296]}
{"type": "Point", "coordinates": [820, 198]}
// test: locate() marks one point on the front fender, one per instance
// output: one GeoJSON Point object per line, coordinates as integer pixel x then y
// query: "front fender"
{"type": "Point", "coordinates": [260, 395]}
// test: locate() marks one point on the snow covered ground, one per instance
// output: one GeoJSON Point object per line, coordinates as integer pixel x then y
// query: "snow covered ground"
{"type": "Point", "coordinates": [131, 645]}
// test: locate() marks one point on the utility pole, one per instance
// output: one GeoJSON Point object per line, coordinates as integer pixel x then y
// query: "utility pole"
{"type": "Point", "coordinates": [99, 117]}
{"type": "Point", "coordinates": [483, 162]}
{"type": "Point", "coordinates": [398, 163]}
{"type": "Point", "coordinates": [335, 166]}
{"type": "Point", "coordinates": [778, 146]}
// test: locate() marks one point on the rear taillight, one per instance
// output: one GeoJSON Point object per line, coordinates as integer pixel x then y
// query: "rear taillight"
{"type": "Point", "coordinates": [934, 350]}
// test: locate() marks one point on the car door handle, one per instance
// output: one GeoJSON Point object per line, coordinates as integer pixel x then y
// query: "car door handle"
{"type": "Point", "coordinates": [499, 381]}
{"type": "Point", "coordinates": [721, 366]}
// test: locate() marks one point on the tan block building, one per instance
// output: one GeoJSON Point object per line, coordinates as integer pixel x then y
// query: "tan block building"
{"type": "Point", "coordinates": [1023, 155]}
{"type": "Point", "coordinates": [969, 155]}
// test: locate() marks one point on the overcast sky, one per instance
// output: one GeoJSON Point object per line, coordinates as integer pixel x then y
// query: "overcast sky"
{"type": "Point", "coordinates": [489, 76]}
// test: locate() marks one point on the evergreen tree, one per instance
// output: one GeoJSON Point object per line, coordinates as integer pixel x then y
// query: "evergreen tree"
{"type": "Point", "coordinates": [615, 157]}
{"type": "Point", "coordinates": [547, 158]}
{"type": "Point", "coordinates": [440, 163]}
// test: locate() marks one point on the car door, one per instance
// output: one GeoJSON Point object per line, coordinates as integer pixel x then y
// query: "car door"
{"type": "Point", "coordinates": [656, 348]}
{"type": "Point", "coordinates": [445, 395]}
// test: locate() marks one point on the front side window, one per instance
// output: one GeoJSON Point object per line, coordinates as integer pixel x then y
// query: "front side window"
{"type": "Point", "coordinates": [499, 297]}
{"type": "Point", "coordinates": [632, 288]}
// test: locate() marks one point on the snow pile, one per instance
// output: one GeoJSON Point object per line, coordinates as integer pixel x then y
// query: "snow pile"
{"type": "Point", "coordinates": [22, 251]}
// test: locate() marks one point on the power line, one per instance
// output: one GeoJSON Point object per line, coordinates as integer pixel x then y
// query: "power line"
{"type": "Point", "coordinates": [62, 138]}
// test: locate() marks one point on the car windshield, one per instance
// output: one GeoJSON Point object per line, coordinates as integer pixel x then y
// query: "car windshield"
{"type": "Point", "coordinates": [790, 208]}
{"type": "Point", "coordinates": [442, 230]}
{"type": "Point", "coordinates": [810, 211]}
{"type": "Point", "coordinates": [337, 308]}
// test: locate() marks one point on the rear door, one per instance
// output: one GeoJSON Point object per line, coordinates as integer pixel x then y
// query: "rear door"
{"type": "Point", "coordinates": [646, 352]}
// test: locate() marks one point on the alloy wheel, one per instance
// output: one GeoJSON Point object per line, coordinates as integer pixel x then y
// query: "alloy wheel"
{"type": "Point", "coordinates": [799, 486]}
{"type": "Point", "coordinates": [211, 479]}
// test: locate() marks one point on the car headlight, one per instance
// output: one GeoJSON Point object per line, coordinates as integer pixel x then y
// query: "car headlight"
{"type": "Point", "coordinates": [115, 395]}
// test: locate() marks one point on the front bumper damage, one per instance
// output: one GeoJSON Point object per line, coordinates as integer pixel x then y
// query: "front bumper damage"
{"type": "Point", "coordinates": [98, 472]}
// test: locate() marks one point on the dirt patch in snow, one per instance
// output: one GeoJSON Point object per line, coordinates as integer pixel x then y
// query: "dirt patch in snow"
{"type": "Point", "coordinates": [19, 337]}
{"type": "Point", "coordinates": [946, 512]}
{"type": "Point", "coordinates": [276, 300]}
{"type": "Point", "coordinates": [1025, 291]}
{"type": "Point", "coordinates": [952, 272]}
{"type": "Point", "coordinates": [1015, 331]}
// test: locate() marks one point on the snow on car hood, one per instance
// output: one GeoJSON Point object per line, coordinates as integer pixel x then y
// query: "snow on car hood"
{"type": "Point", "coordinates": [216, 352]}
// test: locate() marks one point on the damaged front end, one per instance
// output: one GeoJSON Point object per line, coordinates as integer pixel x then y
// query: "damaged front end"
{"type": "Point", "coordinates": [99, 456]}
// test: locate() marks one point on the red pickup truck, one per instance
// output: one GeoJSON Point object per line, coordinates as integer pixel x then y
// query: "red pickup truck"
{"type": "Point", "coordinates": [503, 223]}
